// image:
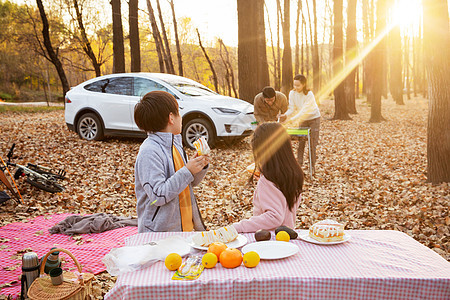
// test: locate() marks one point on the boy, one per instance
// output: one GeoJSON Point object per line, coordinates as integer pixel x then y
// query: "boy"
{"type": "Point", "coordinates": [163, 176]}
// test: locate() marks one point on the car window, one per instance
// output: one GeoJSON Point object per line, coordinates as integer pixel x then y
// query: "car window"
{"type": "Point", "coordinates": [193, 90]}
{"type": "Point", "coordinates": [117, 85]}
{"type": "Point", "coordinates": [142, 86]}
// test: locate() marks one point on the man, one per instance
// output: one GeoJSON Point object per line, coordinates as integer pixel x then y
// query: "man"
{"type": "Point", "coordinates": [269, 105]}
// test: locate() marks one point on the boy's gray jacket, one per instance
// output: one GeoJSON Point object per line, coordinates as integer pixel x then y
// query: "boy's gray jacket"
{"type": "Point", "coordinates": [157, 185]}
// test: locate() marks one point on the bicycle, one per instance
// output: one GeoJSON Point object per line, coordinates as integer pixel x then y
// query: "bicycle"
{"type": "Point", "coordinates": [41, 177]}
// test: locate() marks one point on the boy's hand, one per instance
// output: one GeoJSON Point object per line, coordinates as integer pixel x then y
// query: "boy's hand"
{"type": "Point", "coordinates": [197, 163]}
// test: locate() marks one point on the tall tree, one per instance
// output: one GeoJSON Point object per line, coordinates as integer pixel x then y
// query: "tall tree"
{"type": "Point", "coordinates": [167, 54]}
{"type": "Point", "coordinates": [297, 35]}
{"type": "Point", "coordinates": [340, 103]}
{"type": "Point", "coordinates": [351, 54]}
{"type": "Point", "coordinates": [211, 66]}
{"type": "Point", "coordinates": [286, 78]}
{"type": "Point", "coordinates": [118, 47]}
{"type": "Point", "coordinates": [177, 41]}
{"type": "Point", "coordinates": [377, 57]}
{"type": "Point", "coordinates": [436, 36]}
{"type": "Point", "coordinates": [230, 67]}
{"type": "Point", "coordinates": [395, 65]}
{"type": "Point", "coordinates": [156, 37]}
{"type": "Point", "coordinates": [315, 53]}
{"type": "Point", "coordinates": [135, 50]}
{"type": "Point", "coordinates": [252, 59]}
{"type": "Point", "coordinates": [278, 70]}
{"type": "Point", "coordinates": [52, 56]}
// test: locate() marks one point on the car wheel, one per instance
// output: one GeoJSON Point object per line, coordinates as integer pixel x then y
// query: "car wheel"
{"type": "Point", "coordinates": [196, 128]}
{"type": "Point", "coordinates": [90, 127]}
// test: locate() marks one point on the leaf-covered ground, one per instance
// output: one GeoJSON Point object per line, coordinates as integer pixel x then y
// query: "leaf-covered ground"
{"type": "Point", "coordinates": [368, 175]}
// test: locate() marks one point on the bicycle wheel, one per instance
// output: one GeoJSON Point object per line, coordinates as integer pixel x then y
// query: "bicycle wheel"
{"type": "Point", "coordinates": [45, 185]}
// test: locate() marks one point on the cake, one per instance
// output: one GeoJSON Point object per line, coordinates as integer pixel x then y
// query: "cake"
{"type": "Point", "coordinates": [223, 234]}
{"type": "Point", "coordinates": [202, 146]}
{"type": "Point", "coordinates": [327, 231]}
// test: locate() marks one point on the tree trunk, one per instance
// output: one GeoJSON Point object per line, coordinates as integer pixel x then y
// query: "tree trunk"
{"type": "Point", "coordinates": [225, 65]}
{"type": "Point", "coordinates": [166, 50]}
{"type": "Point", "coordinates": [395, 57]}
{"type": "Point", "coordinates": [118, 48]}
{"type": "Point", "coordinates": [135, 51]}
{"type": "Point", "coordinates": [407, 79]}
{"type": "Point", "coordinates": [287, 78]}
{"type": "Point", "coordinates": [274, 56]}
{"type": "Point", "coordinates": [297, 35]}
{"type": "Point", "coordinates": [377, 56]}
{"type": "Point", "coordinates": [216, 87]}
{"type": "Point", "coordinates": [252, 59]}
{"type": "Point", "coordinates": [366, 41]}
{"type": "Point", "coordinates": [436, 36]}
{"type": "Point", "coordinates": [279, 21]}
{"type": "Point", "coordinates": [351, 55]}
{"type": "Point", "coordinates": [340, 103]}
{"type": "Point", "coordinates": [315, 54]}
{"type": "Point", "coordinates": [156, 37]}
{"type": "Point", "coordinates": [51, 52]}
{"type": "Point", "coordinates": [230, 67]}
{"type": "Point", "coordinates": [177, 41]}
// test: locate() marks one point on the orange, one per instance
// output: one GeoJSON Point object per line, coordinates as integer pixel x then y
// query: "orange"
{"type": "Point", "coordinates": [231, 258]}
{"type": "Point", "coordinates": [173, 261]}
{"type": "Point", "coordinates": [251, 259]}
{"type": "Point", "coordinates": [217, 248]}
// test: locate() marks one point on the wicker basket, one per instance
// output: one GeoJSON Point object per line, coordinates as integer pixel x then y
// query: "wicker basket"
{"type": "Point", "coordinates": [72, 287]}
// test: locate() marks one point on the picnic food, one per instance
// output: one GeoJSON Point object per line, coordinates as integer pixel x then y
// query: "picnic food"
{"type": "Point", "coordinates": [173, 261]}
{"type": "Point", "coordinates": [202, 146]}
{"type": "Point", "coordinates": [327, 231]}
{"type": "Point", "coordinates": [231, 258]}
{"type": "Point", "coordinates": [282, 236]}
{"type": "Point", "coordinates": [251, 259]}
{"type": "Point", "coordinates": [209, 260]}
{"type": "Point", "coordinates": [223, 234]}
{"type": "Point", "coordinates": [262, 235]}
{"type": "Point", "coordinates": [292, 233]}
{"type": "Point", "coordinates": [217, 248]}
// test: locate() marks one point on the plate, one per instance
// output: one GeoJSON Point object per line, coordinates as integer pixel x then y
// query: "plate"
{"type": "Point", "coordinates": [238, 242]}
{"type": "Point", "coordinates": [307, 238]}
{"type": "Point", "coordinates": [272, 249]}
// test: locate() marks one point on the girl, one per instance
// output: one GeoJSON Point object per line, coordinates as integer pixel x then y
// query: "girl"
{"type": "Point", "coordinates": [277, 195]}
{"type": "Point", "coordinates": [302, 101]}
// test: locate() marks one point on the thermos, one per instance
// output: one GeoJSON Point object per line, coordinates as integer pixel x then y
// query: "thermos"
{"type": "Point", "coordinates": [53, 261]}
{"type": "Point", "coordinates": [30, 271]}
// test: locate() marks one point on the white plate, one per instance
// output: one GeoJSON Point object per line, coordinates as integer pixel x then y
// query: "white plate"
{"type": "Point", "coordinates": [307, 238]}
{"type": "Point", "coordinates": [238, 242]}
{"type": "Point", "coordinates": [272, 249]}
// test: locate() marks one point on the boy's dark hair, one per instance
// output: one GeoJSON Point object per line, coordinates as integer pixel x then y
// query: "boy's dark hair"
{"type": "Point", "coordinates": [272, 151]}
{"type": "Point", "coordinates": [151, 114]}
{"type": "Point", "coordinates": [268, 92]}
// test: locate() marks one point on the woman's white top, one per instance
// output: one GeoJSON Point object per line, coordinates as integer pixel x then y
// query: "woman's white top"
{"type": "Point", "coordinates": [302, 106]}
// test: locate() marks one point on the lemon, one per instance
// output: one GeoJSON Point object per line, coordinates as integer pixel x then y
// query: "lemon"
{"type": "Point", "coordinates": [173, 261]}
{"type": "Point", "coordinates": [282, 236]}
{"type": "Point", "coordinates": [251, 259]}
{"type": "Point", "coordinates": [209, 260]}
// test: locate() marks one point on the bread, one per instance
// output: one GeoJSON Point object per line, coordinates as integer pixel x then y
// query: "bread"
{"type": "Point", "coordinates": [327, 231]}
{"type": "Point", "coordinates": [224, 234]}
{"type": "Point", "coordinates": [202, 146]}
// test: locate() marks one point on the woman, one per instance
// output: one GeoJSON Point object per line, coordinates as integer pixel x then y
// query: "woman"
{"type": "Point", "coordinates": [303, 103]}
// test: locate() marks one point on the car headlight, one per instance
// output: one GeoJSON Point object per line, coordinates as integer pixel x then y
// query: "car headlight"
{"type": "Point", "coordinates": [226, 111]}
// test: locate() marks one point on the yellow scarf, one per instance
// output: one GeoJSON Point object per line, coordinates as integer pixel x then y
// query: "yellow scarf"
{"type": "Point", "coordinates": [185, 196]}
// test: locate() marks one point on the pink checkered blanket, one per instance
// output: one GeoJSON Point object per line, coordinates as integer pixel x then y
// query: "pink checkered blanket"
{"type": "Point", "coordinates": [89, 249]}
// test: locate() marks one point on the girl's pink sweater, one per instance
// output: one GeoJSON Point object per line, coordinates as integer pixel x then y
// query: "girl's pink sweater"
{"type": "Point", "coordinates": [270, 209]}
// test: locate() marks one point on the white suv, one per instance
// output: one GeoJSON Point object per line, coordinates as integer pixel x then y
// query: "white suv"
{"type": "Point", "coordinates": [105, 106]}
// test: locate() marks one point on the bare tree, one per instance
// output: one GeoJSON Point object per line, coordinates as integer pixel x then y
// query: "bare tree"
{"type": "Point", "coordinates": [216, 87]}
{"type": "Point", "coordinates": [230, 67]}
{"type": "Point", "coordinates": [297, 35]}
{"type": "Point", "coordinates": [135, 51]}
{"type": "Point", "coordinates": [177, 41]}
{"type": "Point", "coordinates": [351, 54]}
{"type": "Point", "coordinates": [166, 51]}
{"type": "Point", "coordinates": [52, 56]}
{"type": "Point", "coordinates": [274, 56]}
{"type": "Point", "coordinates": [286, 82]}
{"type": "Point", "coordinates": [395, 70]}
{"type": "Point", "coordinates": [340, 103]}
{"type": "Point", "coordinates": [278, 70]}
{"type": "Point", "coordinates": [156, 37]}
{"type": "Point", "coordinates": [118, 47]}
{"type": "Point", "coordinates": [436, 36]}
{"type": "Point", "coordinates": [252, 60]}
{"type": "Point", "coordinates": [315, 53]}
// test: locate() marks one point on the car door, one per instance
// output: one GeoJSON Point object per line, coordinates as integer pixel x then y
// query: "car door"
{"type": "Point", "coordinates": [142, 86]}
{"type": "Point", "coordinates": [115, 102]}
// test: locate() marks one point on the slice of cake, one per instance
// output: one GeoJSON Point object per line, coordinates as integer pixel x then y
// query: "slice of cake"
{"type": "Point", "coordinates": [327, 231]}
{"type": "Point", "coordinates": [224, 234]}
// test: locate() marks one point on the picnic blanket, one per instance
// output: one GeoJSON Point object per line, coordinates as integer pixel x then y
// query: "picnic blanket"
{"type": "Point", "coordinates": [32, 235]}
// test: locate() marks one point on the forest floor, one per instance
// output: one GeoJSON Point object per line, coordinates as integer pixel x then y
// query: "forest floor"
{"type": "Point", "coordinates": [368, 175]}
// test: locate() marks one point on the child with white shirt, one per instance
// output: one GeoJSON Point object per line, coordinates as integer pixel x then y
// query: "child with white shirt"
{"type": "Point", "coordinates": [303, 106]}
